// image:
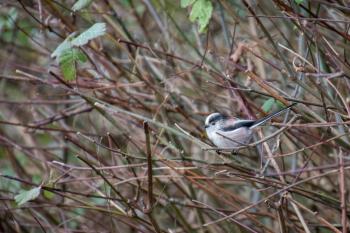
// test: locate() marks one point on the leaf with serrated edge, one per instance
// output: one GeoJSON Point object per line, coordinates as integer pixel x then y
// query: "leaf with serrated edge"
{"type": "Point", "coordinates": [66, 44]}
{"type": "Point", "coordinates": [80, 56]}
{"type": "Point", "coordinates": [98, 29]}
{"type": "Point", "coordinates": [67, 64]}
{"type": "Point", "coordinates": [201, 12]}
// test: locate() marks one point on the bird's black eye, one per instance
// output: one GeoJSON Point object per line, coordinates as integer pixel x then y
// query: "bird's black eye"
{"type": "Point", "coordinates": [213, 123]}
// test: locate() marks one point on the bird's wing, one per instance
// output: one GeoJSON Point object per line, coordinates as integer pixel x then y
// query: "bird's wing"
{"type": "Point", "coordinates": [237, 124]}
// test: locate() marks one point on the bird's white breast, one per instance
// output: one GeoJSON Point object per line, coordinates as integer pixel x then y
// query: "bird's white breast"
{"type": "Point", "coordinates": [229, 139]}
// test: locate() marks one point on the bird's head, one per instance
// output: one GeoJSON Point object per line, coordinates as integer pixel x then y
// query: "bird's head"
{"type": "Point", "coordinates": [214, 121]}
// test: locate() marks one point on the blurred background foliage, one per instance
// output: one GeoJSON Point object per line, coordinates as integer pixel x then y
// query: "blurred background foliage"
{"type": "Point", "coordinates": [102, 107]}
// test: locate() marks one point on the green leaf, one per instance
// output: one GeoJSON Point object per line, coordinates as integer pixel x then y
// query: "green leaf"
{"type": "Point", "coordinates": [26, 196]}
{"type": "Point", "coordinates": [80, 56]}
{"type": "Point", "coordinates": [298, 1]}
{"type": "Point", "coordinates": [96, 30]}
{"type": "Point", "coordinates": [66, 44]}
{"type": "Point", "coordinates": [186, 3]}
{"type": "Point", "coordinates": [67, 62]}
{"type": "Point", "coordinates": [49, 195]}
{"type": "Point", "coordinates": [68, 70]}
{"type": "Point", "coordinates": [201, 12]}
{"type": "Point", "coordinates": [80, 4]}
{"type": "Point", "coordinates": [268, 105]}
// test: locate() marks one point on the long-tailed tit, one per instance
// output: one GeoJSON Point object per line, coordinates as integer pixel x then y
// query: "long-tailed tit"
{"type": "Point", "coordinates": [229, 132]}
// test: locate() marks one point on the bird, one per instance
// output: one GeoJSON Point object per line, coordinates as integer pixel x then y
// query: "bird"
{"type": "Point", "coordinates": [229, 132]}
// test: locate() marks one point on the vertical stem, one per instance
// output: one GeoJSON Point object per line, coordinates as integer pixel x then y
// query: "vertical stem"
{"type": "Point", "coordinates": [149, 166]}
{"type": "Point", "coordinates": [150, 178]}
{"type": "Point", "coordinates": [342, 193]}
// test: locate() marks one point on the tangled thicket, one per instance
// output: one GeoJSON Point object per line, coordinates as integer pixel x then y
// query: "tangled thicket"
{"type": "Point", "coordinates": [119, 145]}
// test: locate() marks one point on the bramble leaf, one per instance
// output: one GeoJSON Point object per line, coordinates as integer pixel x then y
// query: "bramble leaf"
{"type": "Point", "coordinates": [66, 44]}
{"type": "Point", "coordinates": [96, 30]}
{"type": "Point", "coordinates": [67, 62]}
{"type": "Point", "coordinates": [201, 12]}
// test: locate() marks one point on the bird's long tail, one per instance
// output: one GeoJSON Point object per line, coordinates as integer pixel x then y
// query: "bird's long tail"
{"type": "Point", "coordinates": [272, 115]}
